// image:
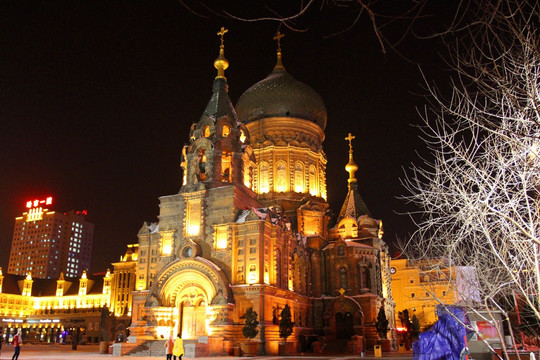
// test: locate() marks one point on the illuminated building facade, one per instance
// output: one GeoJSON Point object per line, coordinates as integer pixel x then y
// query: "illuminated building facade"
{"type": "Point", "coordinates": [420, 287]}
{"type": "Point", "coordinates": [46, 243]}
{"type": "Point", "coordinates": [124, 277]}
{"type": "Point", "coordinates": [47, 310]}
{"type": "Point", "coordinates": [250, 229]}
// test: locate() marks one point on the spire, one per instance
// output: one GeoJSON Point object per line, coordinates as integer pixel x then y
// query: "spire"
{"type": "Point", "coordinates": [221, 64]}
{"type": "Point", "coordinates": [277, 37]}
{"type": "Point", "coordinates": [351, 167]}
{"type": "Point", "coordinates": [220, 104]}
{"type": "Point", "coordinates": [354, 205]}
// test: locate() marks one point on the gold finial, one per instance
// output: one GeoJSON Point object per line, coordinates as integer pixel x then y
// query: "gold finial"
{"type": "Point", "coordinates": [351, 167]}
{"type": "Point", "coordinates": [278, 37]}
{"type": "Point", "coordinates": [341, 291]}
{"type": "Point", "coordinates": [221, 64]}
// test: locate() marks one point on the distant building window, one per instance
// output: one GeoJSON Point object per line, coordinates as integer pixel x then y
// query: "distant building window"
{"type": "Point", "coordinates": [253, 250]}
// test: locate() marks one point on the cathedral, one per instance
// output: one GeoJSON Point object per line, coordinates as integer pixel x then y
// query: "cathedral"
{"type": "Point", "coordinates": [251, 228]}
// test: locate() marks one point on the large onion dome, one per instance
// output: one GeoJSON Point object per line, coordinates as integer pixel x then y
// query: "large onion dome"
{"type": "Point", "coordinates": [280, 95]}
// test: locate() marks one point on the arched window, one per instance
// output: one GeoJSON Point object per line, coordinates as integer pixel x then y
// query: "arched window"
{"type": "Point", "coordinates": [226, 168]}
{"type": "Point", "coordinates": [206, 131]}
{"type": "Point", "coordinates": [248, 175]}
{"type": "Point", "coordinates": [281, 177]}
{"type": "Point", "coordinates": [226, 130]}
{"type": "Point", "coordinates": [299, 178]}
{"type": "Point", "coordinates": [243, 137]}
{"type": "Point", "coordinates": [264, 185]}
{"type": "Point", "coordinates": [368, 276]}
{"type": "Point", "coordinates": [343, 278]}
{"type": "Point", "coordinates": [313, 183]}
{"type": "Point", "coordinates": [202, 164]}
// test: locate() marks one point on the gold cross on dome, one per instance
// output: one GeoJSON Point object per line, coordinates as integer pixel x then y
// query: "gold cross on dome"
{"type": "Point", "coordinates": [222, 32]}
{"type": "Point", "coordinates": [349, 139]}
{"type": "Point", "coordinates": [278, 37]}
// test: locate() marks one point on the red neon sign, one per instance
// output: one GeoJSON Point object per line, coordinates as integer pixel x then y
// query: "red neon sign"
{"type": "Point", "coordinates": [37, 203]}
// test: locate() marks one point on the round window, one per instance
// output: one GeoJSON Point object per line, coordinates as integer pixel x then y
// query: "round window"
{"type": "Point", "coordinates": [187, 252]}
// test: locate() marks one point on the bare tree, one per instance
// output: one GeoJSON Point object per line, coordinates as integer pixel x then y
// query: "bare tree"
{"type": "Point", "coordinates": [344, 15]}
{"type": "Point", "coordinates": [478, 195]}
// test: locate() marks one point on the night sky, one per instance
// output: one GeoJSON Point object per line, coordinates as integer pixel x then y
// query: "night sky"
{"type": "Point", "coordinates": [97, 98]}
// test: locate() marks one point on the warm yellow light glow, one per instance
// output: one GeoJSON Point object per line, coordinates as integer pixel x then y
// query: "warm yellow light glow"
{"type": "Point", "coordinates": [253, 278]}
{"type": "Point", "coordinates": [163, 332]}
{"type": "Point", "coordinates": [166, 250]}
{"type": "Point", "coordinates": [264, 183]}
{"type": "Point", "coordinates": [242, 136]}
{"type": "Point", "coordinates": [210, 317]}
{"type": "Point", "coordinates": [281, 177]}
{"type": "Point", "coordinates": [34, 214]}
{"type": "Point", "coordinates": [193, 217]}
{"type": "Point", "coordinates": [266, 278]}
{"type": "Point", "coordinates": [166, 244]}
{"type": "Point", "coordinates": [221, 238]}
{"type": "Point", "coordinates": [291, 287]}
{"type": "Point", "coordinates": [193, 229]}
{"type": "Point", "coordinates": [299, 178]}
{"type": "Point", "coordinates": [226, 130]}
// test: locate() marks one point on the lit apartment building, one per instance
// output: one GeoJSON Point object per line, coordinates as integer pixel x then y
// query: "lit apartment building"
{"type": "Point", "coordinates": [46, 243]}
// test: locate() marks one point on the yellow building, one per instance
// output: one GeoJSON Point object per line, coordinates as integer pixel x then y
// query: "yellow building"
{"type": "Point", "coordinates": [420, 286]}
{"type": "Point", "coordinates": [250, 228]}
{"type": "Point", "coordinates": [49, 310]}
{"type": "Point", "coordinates": [69, 309]}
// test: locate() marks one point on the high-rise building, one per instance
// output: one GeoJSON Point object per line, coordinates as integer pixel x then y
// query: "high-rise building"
{"type": "Point", "coordinates": [46, 243]}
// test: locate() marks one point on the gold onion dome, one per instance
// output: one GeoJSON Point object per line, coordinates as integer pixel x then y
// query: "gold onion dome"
{"type": "Point", "coordinates": [281, 95]}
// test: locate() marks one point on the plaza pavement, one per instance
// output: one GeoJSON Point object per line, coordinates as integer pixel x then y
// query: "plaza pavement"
{"type": "Point", "coordinates": [90, 352]}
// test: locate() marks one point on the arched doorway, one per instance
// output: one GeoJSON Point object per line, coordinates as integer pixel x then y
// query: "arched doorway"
{"type": "Point", "coordinates": [192, 319]}
{"type": "Point", "coordinates": [192, 301]}
{"type": "Point", "coordinates": [344, 325]}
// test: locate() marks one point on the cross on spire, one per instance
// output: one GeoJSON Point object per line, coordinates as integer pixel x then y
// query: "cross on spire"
{"type": "Point", "coordinates": [278, 37]}
{"type": "Point", "coordinates": [221, 33]}
{"type": "Point", "coordinates": [350, 138]}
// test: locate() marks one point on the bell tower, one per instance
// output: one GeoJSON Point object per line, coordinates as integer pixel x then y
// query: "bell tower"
{"type": "Point", "coordinates": [218, 154]}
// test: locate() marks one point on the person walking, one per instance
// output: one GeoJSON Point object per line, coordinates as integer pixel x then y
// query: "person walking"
{"type": "Point", "coordinates": [169, 345]}
{"type": "Point", "coordinates": [178, 349]}
{"type": "Point", "coordinates": [17, 342]}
